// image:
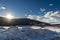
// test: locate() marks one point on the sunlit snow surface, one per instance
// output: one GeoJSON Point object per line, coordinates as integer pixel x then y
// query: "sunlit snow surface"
{"type": "Point", "coordinates": [29, 33]}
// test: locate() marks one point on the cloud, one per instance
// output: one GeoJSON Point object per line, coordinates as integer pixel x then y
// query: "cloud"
{"type": "Point", "coordinates": [42, 9]}
{"type": "Point", "coordinates": [25, 14]}
{"type": "Point", "coordinates": [51, 14]}
{"type": "Point", "coordinates": [49, 17]}
{"type": "Point", "coordinates": [51, 4]}
{"type": "Point", "coordinates": [35, 17]}
{"type": "Point", "coordinates": [2, 7]}
{"type": "Point", "coordinates": [52, 17]}
{"type": "Point", "coordinates": [32, 16]}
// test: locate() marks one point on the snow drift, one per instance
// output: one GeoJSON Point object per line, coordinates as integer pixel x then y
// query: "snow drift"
{"type": "Point", "coordinates": [27, 33]}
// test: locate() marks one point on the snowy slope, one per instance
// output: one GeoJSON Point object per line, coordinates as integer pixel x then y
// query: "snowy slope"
{"type": "Point", "coordinates": [27, 33]}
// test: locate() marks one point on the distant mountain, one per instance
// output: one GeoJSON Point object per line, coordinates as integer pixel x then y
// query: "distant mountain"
{"type": "Point", "coordinates": [55, 25]}
{"type": "Point", "coordinates": [21, 21]}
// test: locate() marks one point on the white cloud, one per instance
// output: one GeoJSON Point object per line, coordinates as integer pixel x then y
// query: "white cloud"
{"type": "Point", "coordinates": [51, 4]}
{"type": "Point", "coordinates": [2, 7]}
{"type": "Point", "coordinates": [52, 17]}
{"type": "Point", "coordinates": [51, 14]}
{"type": "Point", "coordinates": [48, 14]}
{"type": "Point", "coordinates": [25, 14]}
{"type": "Point", "coordinates": [32, 16]}
{"type": "Point", "coordinates": [42, 9]}
{"type": "Point", "coordinates": [49, 17]}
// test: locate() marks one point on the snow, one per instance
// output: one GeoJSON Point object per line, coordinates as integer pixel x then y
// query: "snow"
{"type": "Point", "coordinates": [29, 33]}
{"type": "Point", "coordinates": [56, 29]}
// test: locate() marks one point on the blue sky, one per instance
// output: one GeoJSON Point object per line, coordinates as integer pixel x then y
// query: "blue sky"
{"type": "Point", "coordinates": [21, 7]}
{"type": "Point", "coordinates": [24, 8]}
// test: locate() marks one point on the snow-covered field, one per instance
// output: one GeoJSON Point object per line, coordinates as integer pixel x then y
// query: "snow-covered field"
{"type": "Point", "coordinates": [29, 33]}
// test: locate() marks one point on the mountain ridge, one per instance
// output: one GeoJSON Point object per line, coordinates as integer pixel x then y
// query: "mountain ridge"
{"type": "Point", "coordinates": [23, 21]}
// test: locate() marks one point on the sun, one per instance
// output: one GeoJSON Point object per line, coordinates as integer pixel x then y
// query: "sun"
{"type": "Point", "coordinates": [9, 16]}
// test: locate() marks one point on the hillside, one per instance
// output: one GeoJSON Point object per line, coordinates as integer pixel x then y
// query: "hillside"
{"type": "Point", "coordinates": [21, 21]}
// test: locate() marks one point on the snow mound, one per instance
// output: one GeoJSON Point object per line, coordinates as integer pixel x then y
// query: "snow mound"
{"type": "Point", "coordinates": [14, 33]}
